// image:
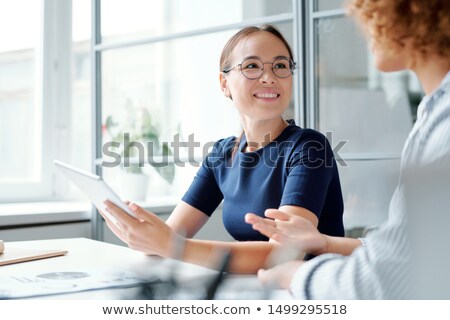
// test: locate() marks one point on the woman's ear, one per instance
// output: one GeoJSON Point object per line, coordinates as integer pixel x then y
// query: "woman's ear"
{"type": "Point", "coordinates": [224, 85]}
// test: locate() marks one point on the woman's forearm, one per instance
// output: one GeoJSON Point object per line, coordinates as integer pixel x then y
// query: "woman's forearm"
{"type": "Point", "coordinates": [246, 257]}
{"type": "Point", "coordinates": [340, 245]}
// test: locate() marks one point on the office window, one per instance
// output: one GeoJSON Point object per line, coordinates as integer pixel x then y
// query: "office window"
{"type": "Point", "coordinates": [21, 128]}
{"type": "Point", "coordinates": [369, 111]}
{"type": "Point", "coordinates": [44, 96]}
{"type": "Point", "coordinates": [136, 19]}
{"type": "Point", "coordinates": [322, 5]}
{"type": "Point", "coordinates": [359, 104]}
{"type": "Point", "coordinates": [160, 80]}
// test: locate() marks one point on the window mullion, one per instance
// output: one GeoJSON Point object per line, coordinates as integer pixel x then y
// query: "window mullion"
{"type": "Point", "coordinates": [56, 99]}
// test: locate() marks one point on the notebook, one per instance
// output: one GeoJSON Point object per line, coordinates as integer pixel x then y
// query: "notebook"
{"type": "Point", "coordinates": [13, 254]}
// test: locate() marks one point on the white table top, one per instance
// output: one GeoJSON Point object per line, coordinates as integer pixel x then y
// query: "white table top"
{"type": "Point", "coordinates": [90, 256]}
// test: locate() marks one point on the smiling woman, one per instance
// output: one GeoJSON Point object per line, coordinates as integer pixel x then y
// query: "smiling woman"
{"type": "Point", "coordinates": [274, 86]}
{"type": "Point", "coordinates": [161, 56]}
{"type": "Point", "coordinates": [275, 164]}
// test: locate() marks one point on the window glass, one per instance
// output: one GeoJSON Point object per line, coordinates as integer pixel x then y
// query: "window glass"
{"type": "Point", "coordinates": [373, 112]}
{"type": "Point", "coordinates": [367, 187]}
{"type": "Point", "coordinates": [43, 114]}
{"type": "Point", "coordinates": [322, 5]}
{"type": "Point", "coordinates": [20, 108]}
{"type": "Point", "coordinates": [136, 19]}
{"type": "Point", "coordinates": [367, 113]}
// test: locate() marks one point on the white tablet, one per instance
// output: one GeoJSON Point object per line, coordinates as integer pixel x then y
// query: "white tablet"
{"type": "Point", "coordinates": [94, 188]}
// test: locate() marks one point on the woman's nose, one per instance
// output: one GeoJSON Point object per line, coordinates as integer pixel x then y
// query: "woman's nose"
{"type": "Point", "coordinates": [268, 76]}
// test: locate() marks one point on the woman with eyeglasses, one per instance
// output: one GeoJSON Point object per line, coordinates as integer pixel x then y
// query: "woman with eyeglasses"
{"type": "Point", "coordinates": [273, 164]}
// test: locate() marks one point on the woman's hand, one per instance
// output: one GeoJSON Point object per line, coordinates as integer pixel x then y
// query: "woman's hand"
{"type": "Point", "coordinates": [290, 229]}
{"type": "Point", "coordinates": [279, 276]}
{"type": "Point", "coordinates": [146, 233]}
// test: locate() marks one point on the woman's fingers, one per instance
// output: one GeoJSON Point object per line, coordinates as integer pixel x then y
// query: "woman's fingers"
{"type": "Point", "coordinates": [252, 218]}
{"type": "Point", "coordinates": [277, 214]}
{"type": "Point", "coordinates": [264, 276]}
{"type": "Point", "coordinates": [107, 218]}
{"type": "Point", "coordinates": [121, 216]}
{"type": "Point", "coordinates": [278, 237]}
{"type": "Point", "coordinates": [103, 214]}
{"type": "Point", "coordinates": [113, 226]}
{"type": "Point", "coordinates": [265, 229]}
{"type": "Point", "coordinates": [144, 231]}
{"type": "Point", "coordinates": [279, 276]}
{"type": "Point", "coordinates": [142, 214]}
{"type": "Point", "coordinates": [273, 229]}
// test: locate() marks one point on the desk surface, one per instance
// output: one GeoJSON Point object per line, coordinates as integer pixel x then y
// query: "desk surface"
{"type": "Point", "coordinates": [85, 254]}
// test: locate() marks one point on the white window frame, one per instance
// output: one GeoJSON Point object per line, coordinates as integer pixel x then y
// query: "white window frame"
{"type": "Point", "coordinates": [52, 101]}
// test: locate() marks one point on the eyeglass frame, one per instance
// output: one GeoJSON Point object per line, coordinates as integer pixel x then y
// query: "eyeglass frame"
{"type": "Point", "coordinates": [291, 63]}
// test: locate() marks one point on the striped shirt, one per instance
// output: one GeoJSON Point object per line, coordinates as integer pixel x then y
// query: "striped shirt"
{"type": "Point", "coordinates": [386, 268]}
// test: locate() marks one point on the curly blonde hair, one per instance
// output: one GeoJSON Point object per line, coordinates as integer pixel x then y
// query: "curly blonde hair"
{"type": "Point", "coordinates": [425, 22]}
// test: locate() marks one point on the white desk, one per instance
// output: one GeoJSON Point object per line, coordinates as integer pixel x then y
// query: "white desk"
{"type": "Point", "coordinates": [85, 254]}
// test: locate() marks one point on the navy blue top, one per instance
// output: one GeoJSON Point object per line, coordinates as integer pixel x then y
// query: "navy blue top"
{"type": "Point", "coordinates": [297, 168]}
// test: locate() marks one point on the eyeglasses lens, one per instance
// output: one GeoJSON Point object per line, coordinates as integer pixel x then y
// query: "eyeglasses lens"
{"type": "Point", "coordinates": [253, 68]}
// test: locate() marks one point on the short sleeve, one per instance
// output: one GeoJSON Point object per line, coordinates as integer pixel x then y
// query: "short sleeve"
{"type": "Point", "coordinates": [311, 168]}
{"type": "Point", "coordinates": [204, 193]}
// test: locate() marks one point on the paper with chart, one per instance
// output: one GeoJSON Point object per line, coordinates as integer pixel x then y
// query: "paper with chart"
{"type": "Point", "coordinates": [64, 281]}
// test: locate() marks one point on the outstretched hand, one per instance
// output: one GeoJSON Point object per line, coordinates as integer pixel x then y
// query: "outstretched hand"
{"type": "Point", "coordinates": [289, 229]}
{"type": "Point", "coordinates": [279, 276]}
{"type": "Point", "coordinates": [146, 233]}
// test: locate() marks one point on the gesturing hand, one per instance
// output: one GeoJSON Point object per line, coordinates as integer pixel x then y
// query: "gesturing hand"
{"type": "Point", "coordinates": [291, 229]}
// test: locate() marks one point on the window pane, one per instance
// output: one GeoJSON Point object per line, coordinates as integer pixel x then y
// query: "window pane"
{"type": "Point", "coordinates": [372, 111]}
{"type": "Point", "coordinates": [136, 19]}
{"type": "Point", "coordinates": [174, 87]}
{"type": "Point", "coordinates": [20, 129]}
{"type": "Point", "coordinates": [176, 84]}
{"type": "Point", "coordinates": [322, 5]}
{"type": "Point", "coordinates": [367, 188]}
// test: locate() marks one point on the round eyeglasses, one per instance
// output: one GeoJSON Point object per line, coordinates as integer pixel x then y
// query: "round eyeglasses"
{"type": "Point", "coordinates": [253, 68]}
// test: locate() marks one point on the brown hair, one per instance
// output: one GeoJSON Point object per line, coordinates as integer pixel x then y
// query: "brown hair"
{"type": "Point", "coordinates": [426, 23]}
{"type": "Point", "coordinates": [228, 49]}
{"type": "Point", "coordinates": [243, 34]}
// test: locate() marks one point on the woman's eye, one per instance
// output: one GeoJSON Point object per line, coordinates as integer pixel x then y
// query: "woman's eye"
{"type": "Point", "coordinates": [280, 66]}
{"type": "Point", "coordinates": [251, 66]}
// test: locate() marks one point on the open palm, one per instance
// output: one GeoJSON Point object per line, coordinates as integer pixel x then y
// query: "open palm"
{"type": "Point", "coordinates": [289, 229]}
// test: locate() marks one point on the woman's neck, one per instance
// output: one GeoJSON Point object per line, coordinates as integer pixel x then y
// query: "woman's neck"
{"type": "Point", "coordinates": [261, 133]}
{"type": "Point", "coordinates": [431, 71]}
